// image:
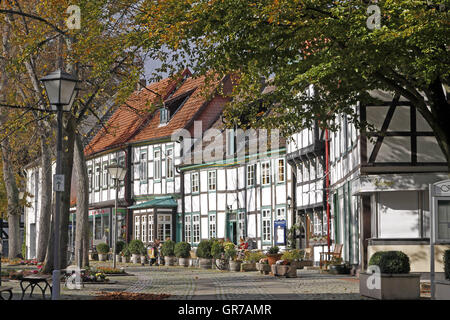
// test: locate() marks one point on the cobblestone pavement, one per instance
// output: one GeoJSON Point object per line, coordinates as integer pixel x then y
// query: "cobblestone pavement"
{"type": "Point", "coordinates": [198, 284]}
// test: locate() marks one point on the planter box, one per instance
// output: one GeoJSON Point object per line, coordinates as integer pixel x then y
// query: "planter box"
{"type": "Point", "coordinates": [287, 271]}
{"type": "Point", "coordinates": [184, 262]}
{"type": "Point", "coordinates": [248, 266]}
{"type": "Point", "coordinates": [134, 258]}
{"type": "Point", "coordinates": [169, 261]}
{"type": "Point", "coordinates": [442, 290]}
{"type": "Point", "coordinates": [302, 264]}
{"type": "Point", "coordinates": [102, 256]}
{"type": "Point", "coordinates": [392, 286]}
{"type": "Point", "coordinates": [235, 265]}
{"type": "Point", "coordinates": [263, 268]}
{"type": "Point", "coordinates": [205, 263]}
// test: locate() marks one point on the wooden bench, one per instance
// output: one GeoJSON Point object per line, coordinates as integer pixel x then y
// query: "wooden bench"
{"type": "Point", "coordinates": [325, 257]}
{"type": "Point", "coordinates": [36, 280]}
{"type": "Point", "coordinates": [5, 289]}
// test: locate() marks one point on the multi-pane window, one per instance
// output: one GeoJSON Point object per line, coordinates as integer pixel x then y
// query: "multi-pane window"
{"type": "Point", "coordinates": [90, 178]}
{"type": "Point", "coordinates": [97, 177]}
{"type": "Point", "coordinates": [212, 180]}
{"type": "Point", "coordinates": [164, 227]}
{"type": "Point", "coordinates": [150, 228]}
{"type": "Point", "coordinates": [104, 175]}
{"type": "Point", "coordinates": [251, 175]}
{"type": "Point", "coordinates": [157, 165]}
{"type": "Point", "coordinates": [195, 182]}
{"type": "Point", "coordinates": [281, 172]}
{"type": "Point", "coordinates": [196, 228]}
{"type": "Point", "coordinates": [281, 213]}
{"type": "Point", "coordinates": [317, 224]}
{"type": "Point", "coordinates": [110, 179]}
{"type": "Point", "coordinates": [144, 228]}
{"type": "Point", "coordinates": [137, 227]}
{"type": "Point", "coordinates": [187, 229]}
{"type": "Point", "coordinates": [212, 226]}
{"type": "Point", "coordinates": [169, 163]}
{"type": "Point", "coordinates": [443, 220]}
{"type": "Point", "coordinates": [266, 225]}
{"type": "Point", "coordinates": [143, 165]}
{"type": "Point", "coordinates": [265, 172]}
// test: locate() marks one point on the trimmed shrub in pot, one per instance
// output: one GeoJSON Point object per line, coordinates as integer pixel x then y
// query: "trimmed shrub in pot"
{"type": "Point", "coordinates": [393, 280]}
{"type": "Point", "coordinates": [168, 252]}
{"type": "Point", "coordinates": [120, 245]}
{"type": "Point", "coordinates": [204, 253]}
{"type": "Point", "coordinates": [143, 255]}
{"type": "Point", "coordinates": [125, 255]}
{"type": "Point", "coordinates": [102, 249]}
{"type": "Point", "coordinates": [135, 247]}
{"type": "Point", "coordinates": [447, 264]}
{"type": "Point", "coordinates": [183, 253]}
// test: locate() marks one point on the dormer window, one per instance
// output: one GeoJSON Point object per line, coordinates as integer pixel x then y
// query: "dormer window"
{"type": "Point", "coordinates": [164, 115]}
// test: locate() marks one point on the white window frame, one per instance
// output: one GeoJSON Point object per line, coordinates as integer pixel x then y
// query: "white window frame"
{"type": "Point", "coordinates": [143, 165]}
{"type": "Point", "coordinates": [195, 182]}
{"type": "Point", "coordinates": [266, 231]}
{"type": "Point", "coordinates": [105, 175]}
{"type": "Point", "coordinates": [212, 224]}
{"type": "Point", "coordinates": [157, 164]}
{"type": "Point", "coordinates": [188, 228]}
{"type": "Point", "coordinates": [97, 176]}
{"type": "Point", "coordinates": [281, 213]}
{"type": "Point", "coordinates": [144, 228]}
{"type": "Point", "coordinates": [212, 180]}
{"type": "Point", "coordinates": [281, 172]}
{"type": "Point", "coordinates": [150, 227]}
{"type": "Point", "coordinates": [137, 227]}
{"type": "Point", "coordinates": [170, 164]}
{"type": "Point", "coordinates": [251, 175]}
{"type": "Point", "coordinates": [164, 224]}
{"type": "Point", "coordinates": [196, 228]}
{"type": "Point", "coordinates": [265, 173]}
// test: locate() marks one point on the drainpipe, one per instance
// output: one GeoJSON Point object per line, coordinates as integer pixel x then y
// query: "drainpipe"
{"type": "Point", "coordinates": [327, 185]}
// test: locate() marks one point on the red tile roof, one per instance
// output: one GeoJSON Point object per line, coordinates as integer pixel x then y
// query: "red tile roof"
{"type": "Point", "coordinates": [133, 121]}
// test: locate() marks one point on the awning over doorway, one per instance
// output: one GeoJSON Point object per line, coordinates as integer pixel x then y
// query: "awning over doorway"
{"type": "Point", "coordinates": [158, 202]}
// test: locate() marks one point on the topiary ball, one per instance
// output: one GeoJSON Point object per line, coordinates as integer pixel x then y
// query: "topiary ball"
{"type": "Point", "coordinates": [391, 262]}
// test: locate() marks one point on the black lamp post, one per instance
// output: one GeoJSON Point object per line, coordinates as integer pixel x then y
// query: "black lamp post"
{"type": "Point", "coordinates": [61, 92]}
{"type": "Point", "coordinates": [117, 173]}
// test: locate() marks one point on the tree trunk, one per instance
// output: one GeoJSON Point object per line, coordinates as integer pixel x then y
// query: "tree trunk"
{"type": "Point", "coordinates": [67, 167]}
{"type": "Point", "coordinates": [82, 222]}
{"type": "Point", "coordinates": [12, 192]}
{"type": "Point", "coordinates": [46, 200]}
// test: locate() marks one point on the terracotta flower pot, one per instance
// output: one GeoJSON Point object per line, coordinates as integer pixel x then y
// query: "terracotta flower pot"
{"type": "Point", "coordinates": [273, 258]}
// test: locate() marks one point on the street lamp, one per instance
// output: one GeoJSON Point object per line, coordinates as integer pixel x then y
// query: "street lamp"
{"type": "Point", "coordinates": [61, 92]}
{"type": "Point", "coordinates": [117, 173]}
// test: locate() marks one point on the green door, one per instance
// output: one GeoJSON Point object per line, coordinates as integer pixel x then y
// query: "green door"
{"type": "Point", "coordinates": [231, 231]}
{"type": "Point", "coordinates": [179, 228]}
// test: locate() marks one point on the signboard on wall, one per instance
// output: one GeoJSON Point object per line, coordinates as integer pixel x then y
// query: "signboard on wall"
{"type": "Point", "coordinates": [99, 211]}
{"type": "Point", "coordinates": [280, 232]}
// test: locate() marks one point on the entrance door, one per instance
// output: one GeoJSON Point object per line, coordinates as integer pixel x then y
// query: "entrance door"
{"type": "Point", "coordinates": [232, 231]}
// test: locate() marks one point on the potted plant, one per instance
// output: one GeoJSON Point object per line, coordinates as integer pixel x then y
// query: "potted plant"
{"type": "Point", "coordinates": [204, 253]}
{"type": "Point", "coordinates": [135, 247]}
{"type": "Point", "coordinates": [183, 252]}
{"type": "Point", "coordinates": [337, 266]}
{"type": "Point", "coordinates": [443, 286]}
{"type": "Point", "coordinates": [230, 255]}
{"type": "Point", "coordinates": [102, 249]}
{"type": "Point", "coordinates": [120, 245]}
{"type": "Point", "coordinates": [263, 266]}
{"type": "Point", "coordinates": [251, 258]}
{"type": "Point", "coordinates": [273, 255]}
{"type": "Point", "coordinates": [143, 255]}
{"type": "Point", "coordinates": [168, 252]}
{"type": "Point", "coordinates": [394, 280]}
{"type": "Point", "coordinates": [217, 251]}
{"type": "Point", "coordinates": [125, 253]}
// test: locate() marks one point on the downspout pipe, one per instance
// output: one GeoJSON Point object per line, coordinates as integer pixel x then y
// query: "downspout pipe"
{"type": "Point", "coordinates": [327, 185]}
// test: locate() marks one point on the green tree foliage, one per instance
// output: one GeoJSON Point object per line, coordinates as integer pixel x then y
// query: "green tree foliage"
{"type": "Point", "coordinates": [296, 43]}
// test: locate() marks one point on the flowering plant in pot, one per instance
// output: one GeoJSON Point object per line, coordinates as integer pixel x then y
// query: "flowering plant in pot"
{"type": "Point", "coordinates": [168, 252]}
{"type": "Point", "coordinates": [183, 253]}
{"type": "Point", "coordinates": [102, 249]}
{"type": "Point", "coordinates": [273, 255]}
{"type": "Point", "coordinates": [231, 256]}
